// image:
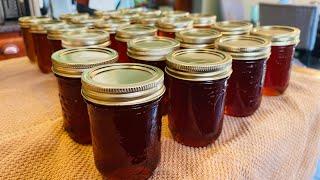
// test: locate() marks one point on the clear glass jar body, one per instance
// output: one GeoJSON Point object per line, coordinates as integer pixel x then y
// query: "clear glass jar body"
{"type": "Point", "coordinates": [278, 70]}
{"type": "Point", "coordinates": [74, 109]}
{"type": "Point", "coordinates": [29, 44]}
{"type": "Point", "coordinates": [43, 50]}
{"type": "Point", "coordinates": [196, 110]}
{"type": "Point", "coordinates": [126, 139]}
{"type": "Point", "coordinates": [56, 45]}
{"type": "Point", "coordinates": [121, 47]}
{"type": "Point", "coordinates": [166, 34]}
{"type": "Point", "coordinates": [244, 92]}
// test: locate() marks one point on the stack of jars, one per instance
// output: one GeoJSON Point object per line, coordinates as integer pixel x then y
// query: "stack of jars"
{"type": "Point", "coordinates": [194, 71]}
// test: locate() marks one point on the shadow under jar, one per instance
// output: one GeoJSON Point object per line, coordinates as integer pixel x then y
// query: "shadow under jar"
{"type": "Point", "coordinates": [198, 38]}
{"type": "Point", "coordinates": [203, 20]}
{"type": "Point", "coordinates": [68, 66]}
{"type": "Point", "coordinates": [168, 26]}
{"type": "Point", "coordinates": [124, 109]}
{"type": "Point", "coordinates": [284, 40]}
{"type": "Point", "coordinates": [25, 25]}
{"type": "Point", "coordinates": [249, 54]}
{"type": "Point", "coordinates": [43, 47]}
{"type": "Point", "coordinates": [153, 51]}
{"type": "Point", "coordinates": [233, 28]}
{"type": "Point", "coordinates": [197, 82]}
{"type": "Point", "coordinates": [127, 33]}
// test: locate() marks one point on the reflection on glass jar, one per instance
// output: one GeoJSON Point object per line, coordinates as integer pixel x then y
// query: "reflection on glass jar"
{"type": "Point", "coordinates": [68, 65]}
{"type": "Point", "coordinates": [197, 82]}
{"type": "Point", "coordinates": [203, 20]}
{"type": "Point", "coordinates": [124, 109]}
{"type": "Point", "coordinates": [249, 54]}
{"type": "Point", "coordinates": [168, 26]}
{"type": "Point", "coordinates": [233, 28]}
{"type": "Point", "coordinates": [284, 39]}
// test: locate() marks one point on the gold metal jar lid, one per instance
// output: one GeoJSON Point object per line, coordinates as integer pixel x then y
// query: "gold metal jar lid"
{"type": "Point", "coordinates": [150, 12]}
{"type": "Point", "coordinates": [41, 27]}
{"type": "Point", "coordinates": [202, 20]}
{"type": "Point", "coordinates": [88, 21]}
{"type": "Point", "coordinates": [56, 32]}
{"type": "Point", "coordinates": [111, 25]}
{"type": "Point", "coordinates": [26, 21]}
{"type": "Point", "coordinates": [149, 20]}
{"type": "Point", "coordinates": [151, 48]}
{"type": "Point", "coordinates": [174, 24]}
{"type": "Point", "coordinates": [73, 62]}
{"type": "Point", "coordinates": [105, 14]}
{"type": "Point", "coordinates": [88, 38]}
{"type": "Point", "coordinates": [279, 35]}
{"type": "Point", "coordinates": [123, 84]}
{"type": "Point", "coordinates": [124, 34]}
{"type": "Point", "coordinates": [175, 13]}
{"type": "Point", "coordinates": [199, 64]}
{"type": "Point", "coordinates": [198, 36]}
{"type": "Point", "coordinates": [245, 47]}
{"type": "Point", "coordinates": [128, 16]}
{"type": "Point", "coordinates": [133, 10]}
{"type": "Point", "coordinates": [69, 16]}
{"type": "Point", "coordinates": [229, 28]}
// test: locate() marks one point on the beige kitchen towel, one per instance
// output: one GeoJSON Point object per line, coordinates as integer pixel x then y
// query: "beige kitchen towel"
{"type": "Point", "coordinates": [280, 141]}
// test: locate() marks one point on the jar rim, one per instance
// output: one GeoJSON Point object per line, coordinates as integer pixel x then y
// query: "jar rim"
{"type": "Point", "coordinates": [198, 36]}
{"type": "Point", "coordinates": [233, 27]}
{"type": "Point", "coordinates": [41, 27]}
{"type": "Point", "coordinates": [203, 19]}
{"type": "Point", "coordinates": [129, 32]}
{"type": "Point", "coordinates": [69, 16]}
{"type": "Point", "coordinates": [26, 21]}
{"type": "Point", "coordinates": [90, 37]}
{"type": "Point", "coordinates": [56, 32]}
{"type": "Point", "coordinates": [175, 13]}
{"type": "Point", "coordinates": [173, 23]}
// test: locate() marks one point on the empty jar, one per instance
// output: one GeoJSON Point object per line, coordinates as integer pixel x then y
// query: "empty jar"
{"type": "Point", "coordinates": [203, 20]}
{"type": "Point", "coordinates": [249, 54]}
{"type": "Point", "coordinates": [197, 82]}
{"type": "Point", "coordinates": [68, 65]}
{"type": "Point", "coordinates": [168, 26]}
{"type": "Point", "coordinates": [198, 38]}
{"type": "Point", "coordinates": [233, 28]}
{"type": "Point", "coordinates": [125, 34]}
{"type": "Point", "coordinates": [284, 40]}
{"type": "Point", "coordinates": [123, 102]}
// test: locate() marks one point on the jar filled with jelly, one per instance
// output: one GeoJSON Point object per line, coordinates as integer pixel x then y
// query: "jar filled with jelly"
{"type": "Point", "coordinates": [126, 16]}
{"type": "Point", "coordinates": [111, 26]}
{"type": "Point", "coordinates": [197, 83]}
{"type": "Point", "coordinates": [233, 28]}
{"type": "Point", "coordinates": [55, 34]}
{"type": "Point", "coordinates": [198, 38]}
{"type": "Point", "coordinates": [42, 45]}
{"type": "Point", "coordinates": [25, 24]}
{"type": "Point", "coordinates": [249, 54]}
{"type": "Point", "coordinates": [168, 26]}
{"type": "Point", "coordinates": [175, 13]}
{"type": "Point", "coordinates": [125, 34]}
{"type": "Point", "coordinates": [68, 65]}
{"type": "Point", "coordinates": [67, 17]}
{"type": "Point", "coordinates": [284, 40]}
{"type": "Point", "coordinates": [88, 38]}
{"type": "Point", "coordinates": [88, 21]}
{"type": "Point", "coordinates": [203, 20]}
{"type": "Point", "coordinates": [123, 102]}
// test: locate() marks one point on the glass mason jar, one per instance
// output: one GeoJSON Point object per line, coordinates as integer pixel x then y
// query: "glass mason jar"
{"type": "Point", "coordinates": [55, 34]}
{"type": "Point", "coordinates": [126, 16]}
{"type": "Point", "coordinates": [68, 65]}
{"type": "Point", "coordinates": [153, 51]}
{"type": "Point", "coordinates": [175, 13]}
{"type": "Point", "coordinates": [125, 34]}
{"type": "Point", "coordinates": [123, 102]}
{"type": "Point", "coordinates": [284, 40]}
{"type": "Point", "coordinates": [88, 38]}
{"type": "Point", "coordinates": [67, 17]}
{"type": "Point", "coordinates": [249, 54]}
{"type": "Point", "coordinates": [233, 28]}
{"type": "Point", "coordinates": [88, 21]}
{"type": "Point", "coordinates": [168, 26]}
{"type": "Point", "coordinates": [111, 26]}
{"type": "Point", "coordinates": [197, 82]}
{"type": "Point", "coordinates": [198, 38]}
{"type": "Point", "coordinates": [25, 24]}
{"type": "Point", "coordinates": [42, 45]}
{"type": "Point", "coordinates": [203, 20]}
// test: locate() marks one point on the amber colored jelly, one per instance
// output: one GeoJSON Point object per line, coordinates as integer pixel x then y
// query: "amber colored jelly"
{"type": "Point", "coordinates": [29, 45]}
{"type": "Point", "coordinates": [43, 51]}
{"type": "Point", "coordinates": [244, 91]}
{"type": "Point", "coordinates": [74, 109]}
{"type": "Point", "coordinates": [278, 70]}
{"type": "Point", "coordinates": [166, 34]}
{"type": "Point", "coordinates": [196, 110]}
{"type": "Point", "coordinates": [126, 139]}
{"type": "Point", "coordinates": [122, 50]}
{"type": "Point", "coordinates": [56, 45]}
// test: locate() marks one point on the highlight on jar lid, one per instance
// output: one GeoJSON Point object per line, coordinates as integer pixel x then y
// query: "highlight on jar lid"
{"type": "Point", "coordinates": [150, 12]}
{"type": "Point", "coordinates": [87, 21]}
{"type": "Point", "coordinates": [26, 21]}
{"type": "Point", "coordinates": [149, 20]}
{"type": "Point", "coordinates": [228, 28]}
{"type": "Point", "coordinates": [56, 32]}
{"type": "Point", "coordinates": [199, 64]}
{"type": "Point", "coordinates": [42, 26]}
{"type": "Point", "coordinates": [88, 38]}
{"type": "Point", "coordinates": [127, 16]}
{"type": "Point", "coordinates": [203, 20]}
{"type": "Point", "coordinates": [69, 16]}
{"type": "Point", "coordinates": [124, 34]}
{"type": "Point", "coordinates": [198, 38]}
{"type": "Point", "coordinates": [152, 48]}
{"type": "Point", "coordinates": [174, 24]}
{"type": "Point", "coordinates": [245, 47]}
{"type": "Point", "coordinates": [122, 84]}
{"type": "Point", "coordinates": [73, 62]}
{"type": "Point", "coordinates": [279, 35]}
{"type": "Point", "coordinates": [175, 13]}
{"type": "Point", "coordinates": [111, 25]}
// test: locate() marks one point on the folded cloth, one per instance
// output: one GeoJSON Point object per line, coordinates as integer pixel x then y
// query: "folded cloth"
{"type": "Point", "coordinates": [280, 141]}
